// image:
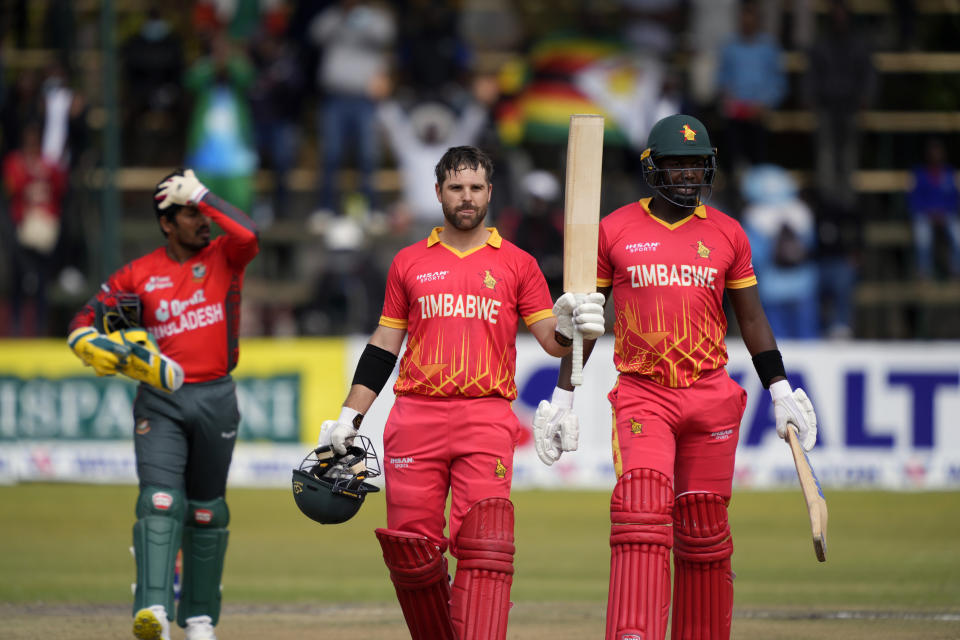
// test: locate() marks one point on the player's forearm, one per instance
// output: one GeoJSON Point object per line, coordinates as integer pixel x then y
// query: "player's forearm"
{"type": "Point", "coordinates": [232, 220]}
{"type": "Point", "coordinates": [566, 365]}
{"type": "Point", "coordinates": [360, 398]}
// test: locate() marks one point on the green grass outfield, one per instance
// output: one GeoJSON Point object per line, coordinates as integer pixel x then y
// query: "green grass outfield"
{"type": "Point", "coordinates": [892, 570]}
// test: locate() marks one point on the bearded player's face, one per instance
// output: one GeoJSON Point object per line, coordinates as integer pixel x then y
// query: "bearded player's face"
{"type": "Point", "coordinates": [683, 176]}
{"type": "Point", "coordinates": [464, 197]}
{"type": "Point", "coordinates": [190, 229]}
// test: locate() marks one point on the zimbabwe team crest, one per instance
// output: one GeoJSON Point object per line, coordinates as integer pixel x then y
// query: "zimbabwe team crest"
{"type": "Point", "coordinates": [488, 280]}
{"type": "Point", "coordinates": [703, 251]}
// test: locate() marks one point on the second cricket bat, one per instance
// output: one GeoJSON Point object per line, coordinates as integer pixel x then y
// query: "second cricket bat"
{"type": "Point", "coordinates": [581, 219]}
{"type": "Point", "coordinates": [812, 495]}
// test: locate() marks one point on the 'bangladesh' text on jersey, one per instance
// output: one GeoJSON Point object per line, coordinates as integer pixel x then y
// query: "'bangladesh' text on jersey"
{"type": "Point", "coordinates": [668, 282]}
{"type": "Point", "coordinates": [461, 312]}
{"type": "Point", "coordinates": [192, 309]}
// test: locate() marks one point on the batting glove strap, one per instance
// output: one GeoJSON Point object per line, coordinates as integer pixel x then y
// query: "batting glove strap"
{"type": "Point", "coordinates": [563, 310]}
{"type": "Point", "coordinates": [794, 407]}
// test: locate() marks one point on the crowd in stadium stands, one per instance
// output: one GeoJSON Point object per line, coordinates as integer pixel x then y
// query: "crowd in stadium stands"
{"type": "Point", "coordinates": [301, 112]}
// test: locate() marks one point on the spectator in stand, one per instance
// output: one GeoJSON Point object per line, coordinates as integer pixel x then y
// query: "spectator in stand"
{"type": "Point", "coordinates": [153, 66]}
{"type": "Point", "coordinates": [751, 81]}
{"type": "Point", "coordinates": [839, 238]}
{"type": "Point", "coordinates": [34, 187]}
{"type": "Point", "coordinates": [418, 138]}
{"type": "Point", "coordinates": [22, 101]}
{"type": "Point", "coordinates": [220, 145]}
{"type": "Point", "coordinates": [839, 84]}
{"type": "Point", "coordinates": [537, 225]}
{"type": "Point", "coordinates": [433, 59]}
{"type": "Point", "coordinates": [933, 202]}
{"type": "Point", "coordinates": [276, 99]}
{"type": "Point", "coordinates": [782, 234]}
{"type": "Point", "coordinates": [355, 37]}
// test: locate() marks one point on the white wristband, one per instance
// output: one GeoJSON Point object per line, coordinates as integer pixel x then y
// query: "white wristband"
{"type": "Point", "coordinates": [780, 389]}
{"type": "Point", "coordinates": [562, 398]}
{"type": "Point", "coordinates": [347, 416]}
{"type": "Point", "coordinates": [198, 194]}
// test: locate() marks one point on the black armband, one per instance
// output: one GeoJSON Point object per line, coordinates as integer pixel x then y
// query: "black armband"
{"type": "Point", "coordinates": [769, 365]}
{"type": "Point", "coordinates": [561, 339]}
{"type": "Point", "coordinates": [374, 368]}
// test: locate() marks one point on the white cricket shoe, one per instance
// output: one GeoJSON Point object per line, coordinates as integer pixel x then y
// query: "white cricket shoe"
{"type": "Point", "coordinates": [151, 623]}
{"type": "Point", "coordinates": [199, 628]}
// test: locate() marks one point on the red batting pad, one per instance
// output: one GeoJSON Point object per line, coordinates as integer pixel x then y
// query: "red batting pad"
{"type": "Point", "coordinates": [703, 584]}
{"type": "Point", "coordinates": [419, 574]}
{"type": "Point", "coordinates": [481, 588]}
{"type": "Point", "coordinates": [641, 535]}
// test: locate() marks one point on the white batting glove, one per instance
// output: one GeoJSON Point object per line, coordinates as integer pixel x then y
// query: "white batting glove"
{"type": "Point", "coordinates": [794, 407]}
{"type": "Point", "coordinates": [339, 433]}
{"type": "Point", "coordinates": [555, 427]}
{"type": "Point", "coordinates": [585, 316]}
{"type": "Point", "coordinates": [182, 190]}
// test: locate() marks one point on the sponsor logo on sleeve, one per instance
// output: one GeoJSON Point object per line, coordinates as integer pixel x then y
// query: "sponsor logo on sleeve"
{"type": "Point", "coordinates": [501, 470]}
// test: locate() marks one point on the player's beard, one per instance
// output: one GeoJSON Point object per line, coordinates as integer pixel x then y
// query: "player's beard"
{"type": "Point", "coordinates": [689, 199]}
{"type": "Point", "coordinates": [465, 222]}
{"type": "Point", "coordinates": [195, 240]}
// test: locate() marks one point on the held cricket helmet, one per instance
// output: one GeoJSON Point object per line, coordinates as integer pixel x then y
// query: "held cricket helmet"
{"type": "Point", "coordinates": [119, 310]}
{"type": "Point", "coordinates": [678, 136]}
{"type": "Point", "coordinates": [329, 487]}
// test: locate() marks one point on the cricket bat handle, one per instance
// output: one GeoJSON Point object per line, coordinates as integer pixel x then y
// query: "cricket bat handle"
{"type": "Point", "coordinates": [576, 371]}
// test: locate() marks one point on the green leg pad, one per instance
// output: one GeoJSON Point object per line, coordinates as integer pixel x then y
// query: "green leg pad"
{"type": "Point", "coordinates": [204, 548]}
{"type": "Point", "coordinates": [156, 540]}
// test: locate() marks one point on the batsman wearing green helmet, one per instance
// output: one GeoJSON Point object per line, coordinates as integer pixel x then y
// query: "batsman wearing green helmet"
{"type": "Point", "coordinates": [668, 260]}
{"type": "Point", "coordinates": [170, 319]}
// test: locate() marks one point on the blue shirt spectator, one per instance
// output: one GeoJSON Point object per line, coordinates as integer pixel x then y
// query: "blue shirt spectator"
{"type": "Point", "coordinates": [933, 200]}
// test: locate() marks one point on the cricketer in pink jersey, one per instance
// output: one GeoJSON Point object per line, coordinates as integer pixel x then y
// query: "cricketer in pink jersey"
{"type": "Point", "coordinates": [668, 261]}
{"type": "Point", "coordinates": [182, 300]}
{"type": "Point", "coordinates": [458, 297]}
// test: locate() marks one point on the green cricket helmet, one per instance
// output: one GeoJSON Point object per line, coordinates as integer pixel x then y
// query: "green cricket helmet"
{"type": "Point", "coordinates": [675, 136]}
{"type": "Point", "coordinates": [329, 487]}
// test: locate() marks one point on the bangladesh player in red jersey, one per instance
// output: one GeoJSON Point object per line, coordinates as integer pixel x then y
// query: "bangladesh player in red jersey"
{"type": "Point", "coordinates": [185, 299]}
{"type": "Point", "coordinates": [457, 297]}
{"type": "Point", "coordinates": [668, 261]}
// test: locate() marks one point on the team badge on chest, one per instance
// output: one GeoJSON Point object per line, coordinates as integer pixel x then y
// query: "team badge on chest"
{"type": "Point", "coordinates": [488, 280]}
{"type": "Point", "coordinates": [703, 251]}
{"type": "Point", "coordinates": [199, 270]}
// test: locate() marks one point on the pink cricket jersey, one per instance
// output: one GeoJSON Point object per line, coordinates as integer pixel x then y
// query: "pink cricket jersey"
{"type": "Point", "coordinates": [668, 282]}
{"type": "Point", "coordinates": [461, 312]}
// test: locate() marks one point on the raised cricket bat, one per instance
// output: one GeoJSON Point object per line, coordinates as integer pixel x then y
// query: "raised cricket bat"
{"type": "Point", "coordinates": [812, 494]}
{"type": "Point", "coordinates": [581, 216]}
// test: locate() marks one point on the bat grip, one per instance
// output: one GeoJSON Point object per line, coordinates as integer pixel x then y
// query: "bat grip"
{"type": "Point", "coordinates": [576, 371]}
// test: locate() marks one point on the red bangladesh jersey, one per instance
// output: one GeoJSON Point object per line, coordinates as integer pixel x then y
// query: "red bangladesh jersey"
{"type": "Point", "coordinates": [192, 309]}
{"type": "Point", "coordinates": [461, 312]}
{"type": "Point", "coordinates": [668, 282]}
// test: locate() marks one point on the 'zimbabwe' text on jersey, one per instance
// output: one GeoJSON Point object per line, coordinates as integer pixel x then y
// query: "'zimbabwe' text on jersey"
{"type": "Point", "coordinates": [461, 312]}
{"type": "Point", "coordinates": [668, 282]}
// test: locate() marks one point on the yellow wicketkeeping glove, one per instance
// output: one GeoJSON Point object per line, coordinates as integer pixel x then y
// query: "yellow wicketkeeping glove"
{"type": "Point", "coordinates": [98, 351]}
{"type": "Point", "coordinates": [145, 362]}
